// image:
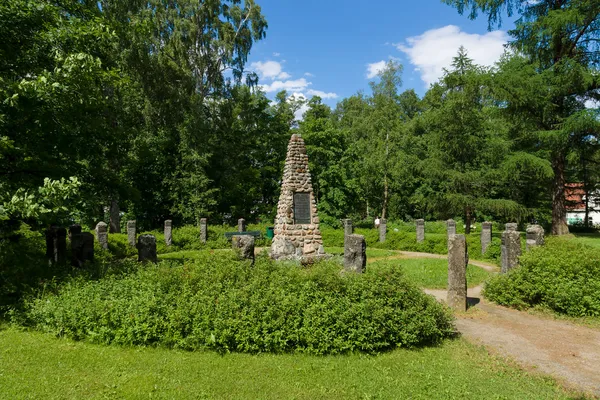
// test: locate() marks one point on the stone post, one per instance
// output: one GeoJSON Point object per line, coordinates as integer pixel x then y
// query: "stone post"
{"type": "Point", "coordinates": [243, 246]}
{"type": "Point", "coordinates": [355, 253]}
{"type": "Point", "coordinates": [60, 246]}
{"type": "Point", "coordinates": [76, 240]}
{"type": "Point", "coordinates": [102, 234]}
{"type": "Point", "coordinates": [146, 246]}
{"type": "Point", "coordinates": [420, 230]}
{"type": "Point", "coordinates": [535, 236]}
{"type": "Point", "coordinates": [131, 233]}
{"type": "Point", "coordinates": [168, 232]}
{"type": "Point", "coordinates": [203, 230]}
{"type": "Point", "coordinates": [457, 272]}
{"type": "Point", "coordinates": [50, 242]}
{"type": "Point", "coordinates": [241, 225]}
{"type": "Point", "coordinates": [348, 228]}
{"type": "Point", "coordinates": [451, 227]}
{"type": "Point", "coordinates": [382, 230]}
{"type": "Point", "coordinates": [115, 217]}
{"type": "Point", "coordinates": [486, 236]}
{"type": "Point", "coordinates": [511, 248]}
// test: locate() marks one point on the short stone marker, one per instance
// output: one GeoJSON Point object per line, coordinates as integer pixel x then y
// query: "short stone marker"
{"type": "Point", "coordinates": [348, 228]}
{"type": "Point", "coordinates": [146, 247]}
{"type": "Point", "coordinates": [168, 232]}
{"type": "Point", "coordinates": [382, 230]}
{"type": "Point", "coordinates": [60, 246]}
{"type": "Point", "coordinates": [243, 246]}
{"type": "Point", "coordinates": [486, 236]}
{"type": "Point", "coordinates": [115, 217]}
{"type": "Point", "coordinates": [457, 272]}
{"type": "Point", "coordinates": [131, 233]}
{"type": "Point", "coordinates": [420, 230]}
{"type": "Point", "coordinates": [82, 246]}
{"type": "Point", "coordinates": [203, 230]}
{"type": "Point", "coordinates": [450, 227]}
{"type": "Point", "coordinates": [535, 236]}
{"type": "Point", "coordinates": [241, 225]}
{"type": "Point", "coordinates": [511, 248]}
{"type": "Point", "coordinates": [50, 238]}
{"type": "Point", "coordinates": [102, 234]}
{"type": "Point", "coordinates": [355, 253]}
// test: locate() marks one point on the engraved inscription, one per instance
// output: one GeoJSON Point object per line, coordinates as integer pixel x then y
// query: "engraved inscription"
{"type": "Point", "coordinates": [302, 208]}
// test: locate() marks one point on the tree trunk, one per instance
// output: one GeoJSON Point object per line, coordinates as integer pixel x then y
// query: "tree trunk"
{"type": "Point", "coordinates": [385, 196]}
{"type": "Point", "coordinates": [559, 214]}
{"type": "Point", "coordinates": [115, 218]}
{"type": "Point", "coordinates": [467, 220]}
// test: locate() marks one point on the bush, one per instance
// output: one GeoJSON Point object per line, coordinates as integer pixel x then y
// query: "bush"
{"type": "Point", "coordinates": [220, 303]}
{"type": "Point", "coordinates": [563, 276]}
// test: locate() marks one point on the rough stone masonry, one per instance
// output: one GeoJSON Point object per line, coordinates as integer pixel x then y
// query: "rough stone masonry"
{"type": "Point", "coordinates": [297, 222]}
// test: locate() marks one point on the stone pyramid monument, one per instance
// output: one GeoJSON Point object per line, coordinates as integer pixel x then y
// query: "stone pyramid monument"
{"type": "Point", "coordinates": [297, 232]}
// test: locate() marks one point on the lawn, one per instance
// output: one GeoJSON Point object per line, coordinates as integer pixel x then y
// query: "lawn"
{"type": "Point", "coordinates": [591, 239]}
{"type": "Point", "coordinates": [35, 365]}
{"type": "Point", "coordinates": [431, 273]}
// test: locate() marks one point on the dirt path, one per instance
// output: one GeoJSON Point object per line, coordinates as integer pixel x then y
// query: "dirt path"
{"type": "Point", "coordinates": [568, 352]}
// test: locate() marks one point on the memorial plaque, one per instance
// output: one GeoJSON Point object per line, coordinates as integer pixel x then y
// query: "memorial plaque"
{"type": "Point", "coordinates": [302, 208]}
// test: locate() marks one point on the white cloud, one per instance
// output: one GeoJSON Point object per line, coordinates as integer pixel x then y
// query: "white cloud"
{"type": "Point", "coordinates": [295, 85]}
{"type": "Point", "coordinates": [374, 68]}
{"type": "Point", "coordinates": [322, 94]}
{"type": "Point", "coordinates": [276, 54]}
{"type": "Point", "coordinates": [308, 74]}
{"type": "Point", "coordinates": [270, 70]}
{"type": "Point", "coordinates": [433, 50]}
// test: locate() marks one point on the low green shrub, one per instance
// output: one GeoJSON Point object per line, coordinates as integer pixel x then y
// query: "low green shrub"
{"type": "Point", "coordinates": [563, 276]}
{"type": "Point", "coordinates": [218, 302]}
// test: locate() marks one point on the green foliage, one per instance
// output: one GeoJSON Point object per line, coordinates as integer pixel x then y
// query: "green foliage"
{"type": "Point", "coordinates": [57, 201]}
{"type": "Point", "coordinates": [563, 276]}
{"type": "Point", "coordinates": [220, 303]}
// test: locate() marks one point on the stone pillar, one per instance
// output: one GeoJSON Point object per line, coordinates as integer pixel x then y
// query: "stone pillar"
{"type": "Point", "coordinates": [60, 246]}
{"type": "Point", "coordinates": [131, 233]}
{"type": "Point", "coordinates": [535, 236]}
{"type": "Point", "coordinates": [102, 234]}
{"type": "Point", "coordinates": [243, 246]}
{"type": "Point", "coordinates": [297, 220]}
{"type": "Point", "coordinates": [146, 246]}
{"type": "Point", "coordinates": [382, 230]}
{"type": "Point", "coordinates": [241, 225]}
{"type": "Point", "coordinates": [420, 230]}
{"type": "Point", "coordinates": [50, 241]}
{"type": "Point", "coordinates": [451, 227]}
{"type": "Point", "coordinates": [457, 272]}
{"type": "Point", "coordinates": [168, 232]}
{"type": "Point", "coordinates": [348, 228]}
{"type": "Point", "coordinates": [76, 240]}
{"type": "Point", "coordinates": [203, 230]}
{"type": "Point", "coordinates": [486, 236]}
{"type": "Point", "coordinates": [511, 248]}
{"type": "Point", "coordinates": [355, 253]}
{"type": "Point", "coordinates": [82, 246]}
{"type": "Point", "coordinates": [115, 217]}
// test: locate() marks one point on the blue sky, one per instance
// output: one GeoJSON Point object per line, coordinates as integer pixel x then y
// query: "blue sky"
{"type": "Point", "coordinates": [333, 48]}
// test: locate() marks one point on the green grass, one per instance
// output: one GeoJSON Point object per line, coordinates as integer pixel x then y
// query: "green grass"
{"type": "Point", "coordinates": [34, 365]}
{"type": "Point", "coordinates": [370, 252]}
{"type": "Point", "coordinates": [431, 273]}
{"type": "Point", "coordinates": [590, 239]}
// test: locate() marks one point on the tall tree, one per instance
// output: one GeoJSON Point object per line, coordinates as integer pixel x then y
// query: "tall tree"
{"type": "Point", "coordinates": [560, 43]}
